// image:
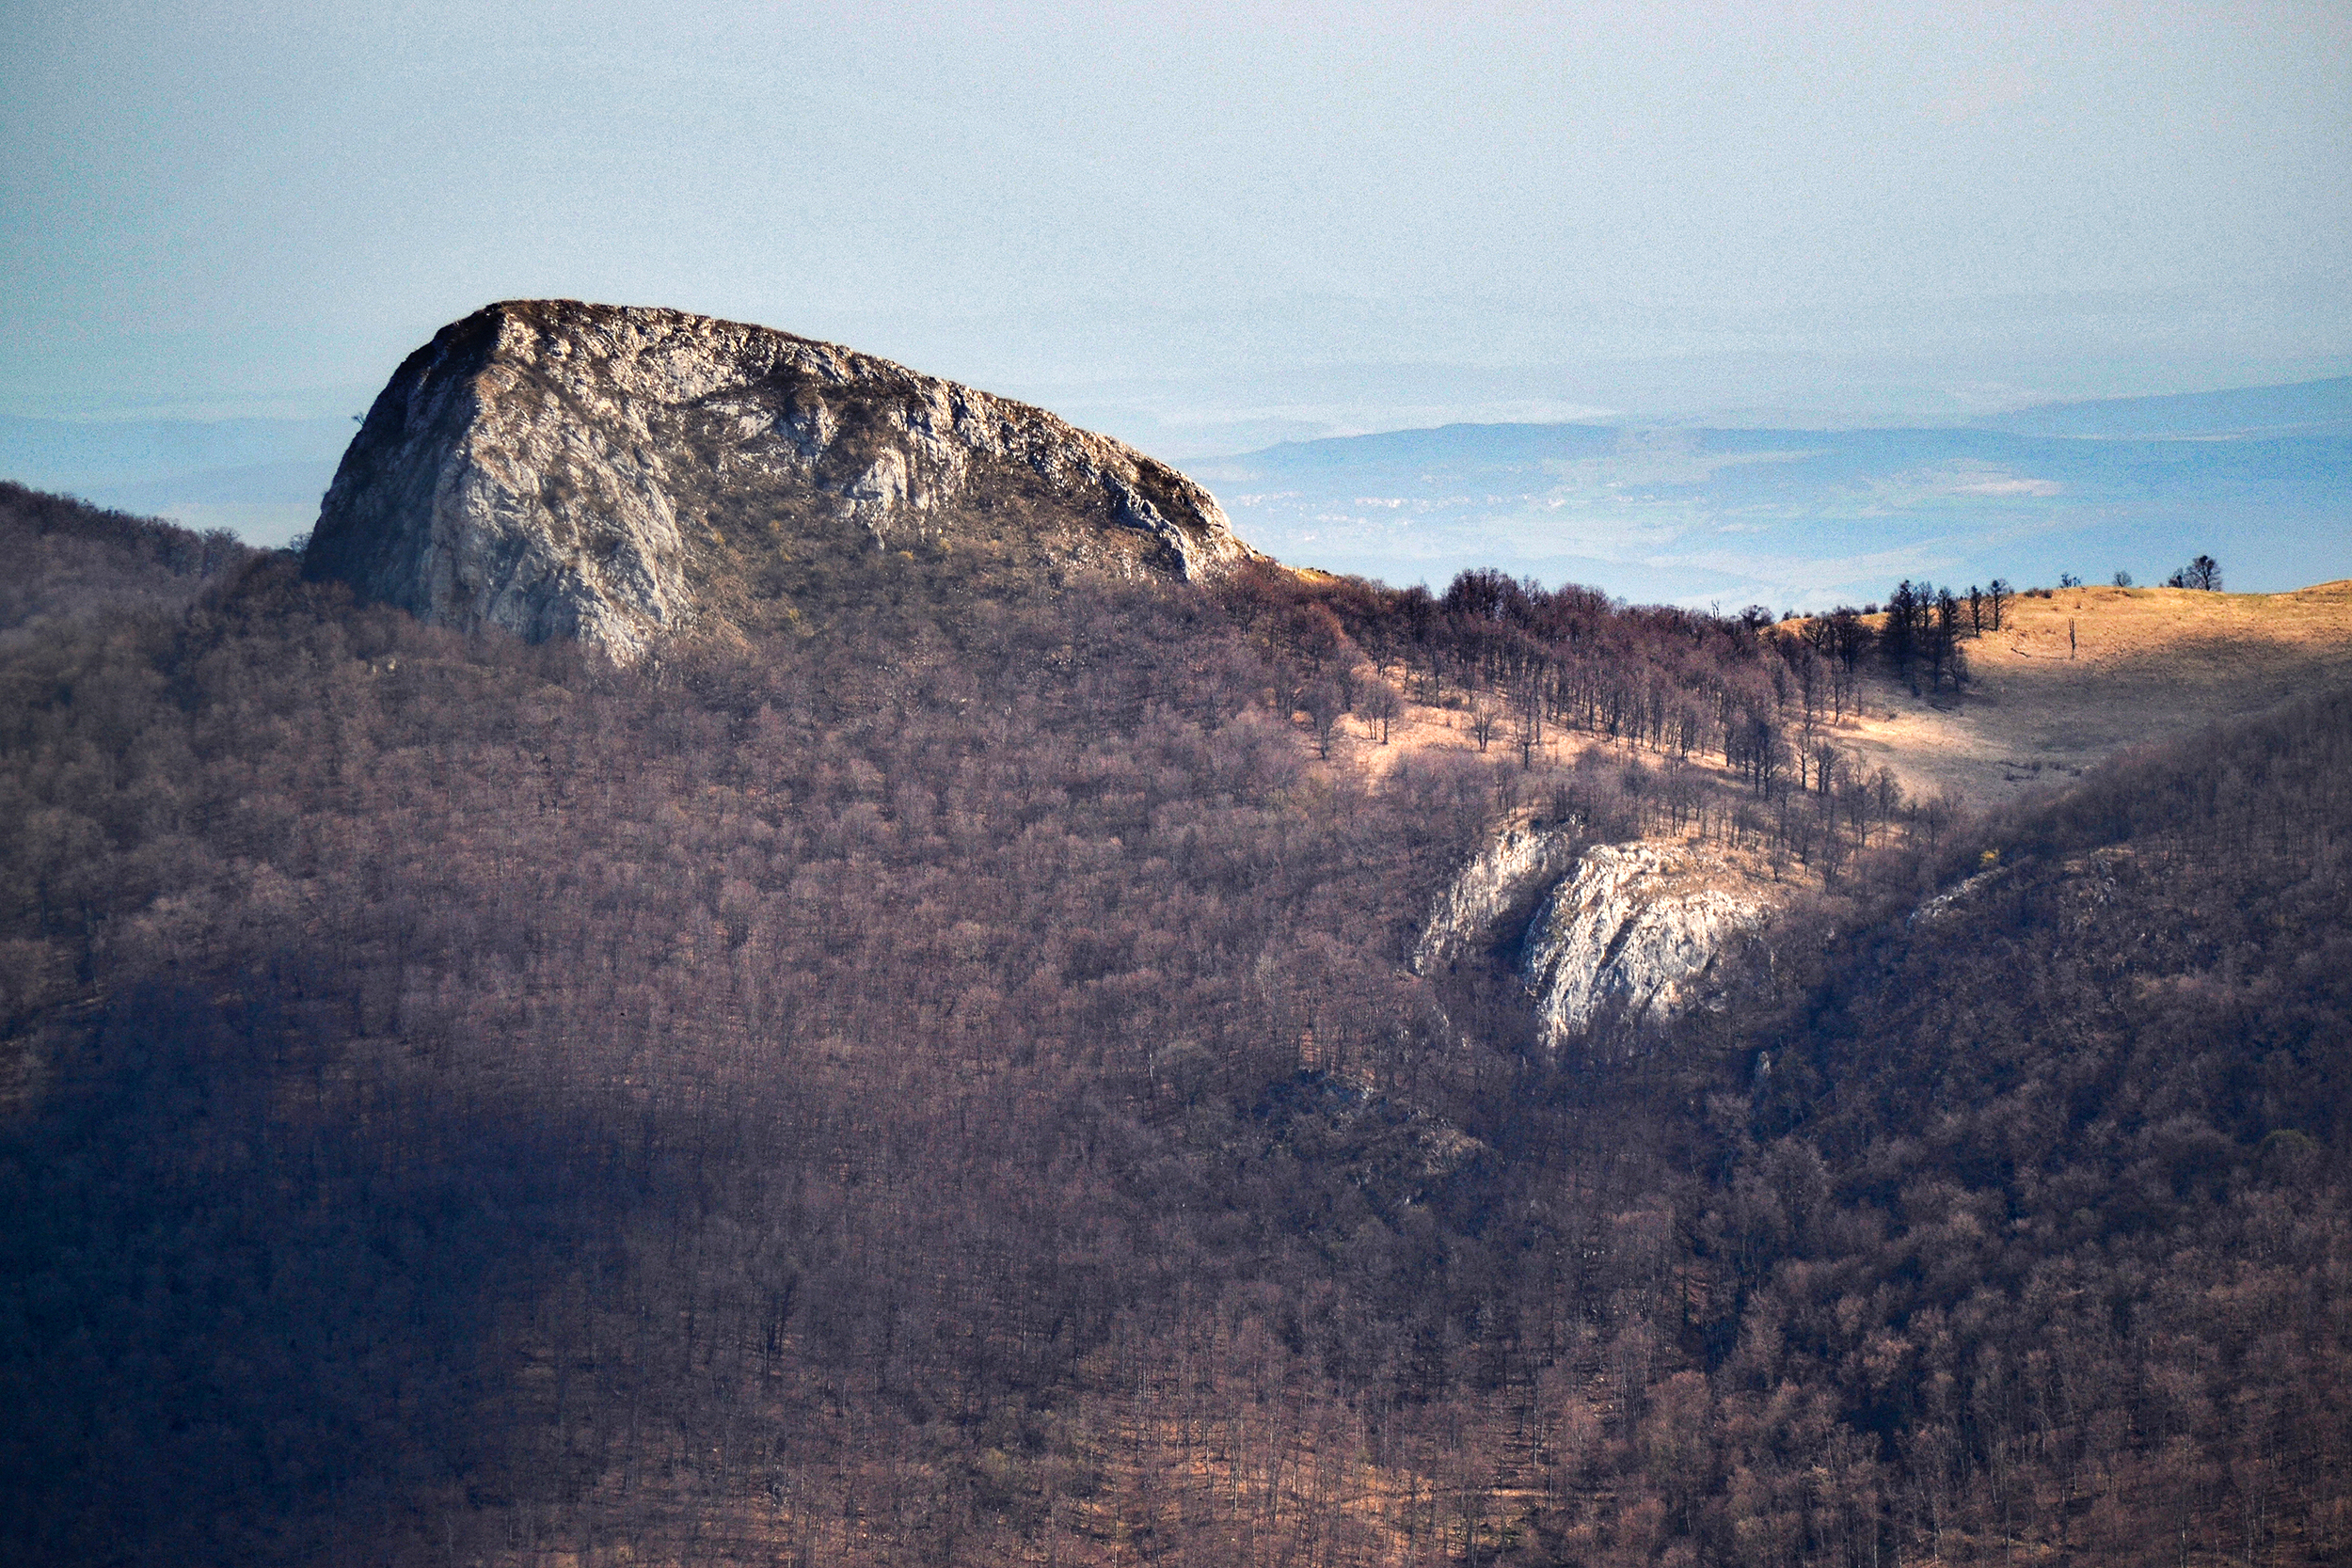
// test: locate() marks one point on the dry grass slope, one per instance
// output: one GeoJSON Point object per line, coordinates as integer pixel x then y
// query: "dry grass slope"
{"type": "Point", "coordinates": [2087, 672]}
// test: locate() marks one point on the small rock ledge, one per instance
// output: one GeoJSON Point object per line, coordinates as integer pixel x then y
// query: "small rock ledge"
{"type": "Point", "coordinates": [1624, 929]}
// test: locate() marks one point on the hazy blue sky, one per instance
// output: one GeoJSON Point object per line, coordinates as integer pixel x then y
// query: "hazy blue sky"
{"type": "Point", "coordinates": [1202, 227]}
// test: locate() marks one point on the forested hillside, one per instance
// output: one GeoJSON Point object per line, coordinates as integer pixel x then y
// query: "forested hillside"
{"type": "Point", "coordinates": [67, 558]}
{"type": "Point", "coordinates": [2039, 1183]}
{"type": "Point", "coordinates": [942, 1083]}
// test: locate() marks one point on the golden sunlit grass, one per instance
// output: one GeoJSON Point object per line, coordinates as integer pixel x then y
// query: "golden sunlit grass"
{"type": "Point", "coordinates": [2076, 677]}
{"type": "Point", "coordinates": [2145, 664]}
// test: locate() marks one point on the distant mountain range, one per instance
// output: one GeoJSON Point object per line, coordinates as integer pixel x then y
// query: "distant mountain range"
{"type": "Point", "coordinates": [2306, 409]}
{"type": "Point", "coordinates": [2260, 478]}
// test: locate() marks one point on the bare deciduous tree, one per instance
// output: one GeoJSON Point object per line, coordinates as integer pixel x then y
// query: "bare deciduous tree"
{"type": "Point", "coordinates": [2205, 574]}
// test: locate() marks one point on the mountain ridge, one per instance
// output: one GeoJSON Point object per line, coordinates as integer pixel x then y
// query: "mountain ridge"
{"type": "Point", "coordinates": [2301, 407]}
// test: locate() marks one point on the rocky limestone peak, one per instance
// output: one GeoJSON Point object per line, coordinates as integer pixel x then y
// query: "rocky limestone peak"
{"type": "Point", "coordinates": [622, 474]}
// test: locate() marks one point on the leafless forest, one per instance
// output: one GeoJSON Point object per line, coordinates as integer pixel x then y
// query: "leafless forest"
{"type": "Point", "coordinates": [943, 1084]}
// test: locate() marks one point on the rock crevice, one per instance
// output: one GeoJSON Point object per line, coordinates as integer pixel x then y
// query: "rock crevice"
{"type": "Point", "coordinates": [1498, 878]}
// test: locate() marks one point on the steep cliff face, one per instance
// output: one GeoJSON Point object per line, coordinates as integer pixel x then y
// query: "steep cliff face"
{"type": "Point", "coordinates": [1629, 928]}
{"type": "Point", "coordinates": [1637, 927]}
{"type": "Point", "coordinates": [614, 475]}
{"type": "Point", "coordinates": [1502, 876]}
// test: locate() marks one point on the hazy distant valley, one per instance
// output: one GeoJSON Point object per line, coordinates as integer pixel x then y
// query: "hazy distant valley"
{"type": "Point", "coordinates": [1672, 513]}
{"type": "Point", "coordinates": [1811, 518]}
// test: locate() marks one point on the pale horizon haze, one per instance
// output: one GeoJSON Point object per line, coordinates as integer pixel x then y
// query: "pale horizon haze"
{"type": "Point", "coordinates": [1203, 229]}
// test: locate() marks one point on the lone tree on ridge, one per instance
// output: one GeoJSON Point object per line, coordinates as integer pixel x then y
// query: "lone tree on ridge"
{"type": "Point", "coordinates": [2204, 571]}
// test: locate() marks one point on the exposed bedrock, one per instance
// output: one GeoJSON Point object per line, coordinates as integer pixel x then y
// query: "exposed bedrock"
{"type": "Point", "coordinates": [1502, 876]}
{"type": "Point", "coordinates": [1633, 931]}
{"type": "Point", "coordinates": [606, 473]}
{"type": "Point", "coordinates": [1637, 930]}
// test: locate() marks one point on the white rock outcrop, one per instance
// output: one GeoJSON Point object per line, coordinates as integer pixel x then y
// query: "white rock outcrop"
{"type": "Point", "coordinates": [1497, 878]}
{"type": "Point", "coordinates": [565, 469]}
{"type": "Point", "coordinates": [1637, 927]}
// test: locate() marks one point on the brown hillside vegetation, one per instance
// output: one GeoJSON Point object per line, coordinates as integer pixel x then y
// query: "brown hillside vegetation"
{"type": "Point", "coordinates": [2147, 664]}
{"type": "Point", "coordinates": [945, 1085]}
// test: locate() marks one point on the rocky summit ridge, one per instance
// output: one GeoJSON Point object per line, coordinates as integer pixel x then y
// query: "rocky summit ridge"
{"type": "Point", "coordinates": [621, 474]}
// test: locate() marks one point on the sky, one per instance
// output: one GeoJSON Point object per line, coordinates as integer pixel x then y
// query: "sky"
{"type": "Point", "coordinates": [1202, 228]}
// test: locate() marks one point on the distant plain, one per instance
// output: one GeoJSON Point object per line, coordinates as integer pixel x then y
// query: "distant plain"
{"type": "Point", "coordinates": [1698, 513]}
{"type": "Point", "coordinates": [1805, 519]}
